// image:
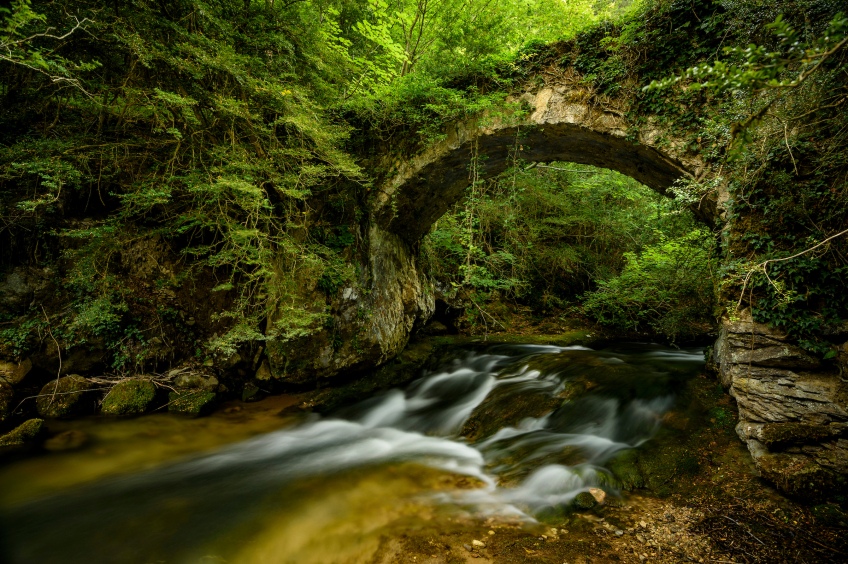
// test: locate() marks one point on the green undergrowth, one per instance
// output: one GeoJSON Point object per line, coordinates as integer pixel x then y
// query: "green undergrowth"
{"type": "Point", "coordinates": [566, 239]}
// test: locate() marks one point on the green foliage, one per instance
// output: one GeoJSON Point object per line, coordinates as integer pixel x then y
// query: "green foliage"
{"type": "Point", "coordinates": [210, 134]}
{"type": "Point", "coordinates": [19, 339]}
{"type": "Point", "coordinates": [544, 235]}
{"type": "Point", "coordinates": [220, 131]}
{"type": "Point", "coordinates": [667, 289]}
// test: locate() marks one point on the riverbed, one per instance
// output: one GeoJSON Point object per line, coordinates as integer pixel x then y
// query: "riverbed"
{"type": "Point", "coordinates": [494, 451]}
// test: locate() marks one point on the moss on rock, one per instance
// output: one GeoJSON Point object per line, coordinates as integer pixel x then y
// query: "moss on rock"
{"type": "Point", "coordinates": [130, 397]}
{"type": "Point", "coordinates": [625, 468]}
{"type": "Point", "coordinates": [798, 475]}
{"type": "Point", "coordinates": [585, 500]}
{"type": "Point", "coordinates": [191, 402]}
{"type": "Point", "coordinates": [23, 434]}
{"type": "Point", "coordinates": [63, 398]}
{"type": "Point", "coordinates": [780, 434]}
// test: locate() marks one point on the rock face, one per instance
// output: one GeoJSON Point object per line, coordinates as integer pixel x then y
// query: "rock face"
{"type": "Point", "coordinates": [793, 410]}
{"type": "Point", "coordinates": [371, 321]}
{"type": "Point", "coordinates": [65, 398]}
{"type": "Point", "coordinates": [130, 397]}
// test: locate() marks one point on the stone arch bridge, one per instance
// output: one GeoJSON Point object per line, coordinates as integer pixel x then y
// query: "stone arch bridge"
{"type": "Point", "coordinates": [792, 411]}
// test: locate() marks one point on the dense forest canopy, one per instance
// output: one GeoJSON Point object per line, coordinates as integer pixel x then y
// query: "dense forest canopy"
{"type": "Point", "coordinates": [233, 137]}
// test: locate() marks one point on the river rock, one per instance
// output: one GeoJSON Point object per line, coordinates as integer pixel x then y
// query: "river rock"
{"type": "Point", "coordinates": [435, 328]}
{"type": "Point", "coordinates": [14, 372]}
{"type": "Point", "coordinates": [506, 406]}
{"type": "Point", "coordinates": [66, 440]}
{"type": "Point", "coordinates": [7, 395]}
{"type": "Point", "coordinates": [251, 392]}
{"type": "Point", "coordinates": [191, 402]}
{"type": "Point", "coordinates": [625, 468]}
{"type": "Point", "coordinates": [65, 398]}
{"type": "Point", "coordinates": [584, 500]}
{"type": "Point", "coordinates": [599, 494]}
{"type": "Point", "coordinates": [25, 433]}
{"type": "Point", "coordinates": [393, 296]}
{"type": "Point", "coordinates": [194, 380]}
{"type": "Point", "coordinates": [130, 397]}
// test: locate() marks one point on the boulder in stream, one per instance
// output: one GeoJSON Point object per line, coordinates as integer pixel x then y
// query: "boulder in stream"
{"type": "Point", "coordinates": [585, 500]}
{"type": "Point", "coordinates": [24, 434]}
{"type": "Point", "coordinates": [64, 397]}
{"type": "Point", "coordinates": [130, 397]}
{"type": "Point", "coordinates": [625, 468]}
{"type": "Point", "coordinates": [191, 402]}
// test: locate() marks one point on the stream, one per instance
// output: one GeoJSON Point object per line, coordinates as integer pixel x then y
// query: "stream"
{"type": "Point", "coordinates": [511, 432]}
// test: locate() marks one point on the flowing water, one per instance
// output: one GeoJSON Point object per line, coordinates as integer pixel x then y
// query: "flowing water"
{"type": "Point", "coordinates": [512, 432]}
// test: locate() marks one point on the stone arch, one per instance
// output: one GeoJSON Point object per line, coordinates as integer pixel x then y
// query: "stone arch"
{"type": "Point", "coordinates": [563, 124]}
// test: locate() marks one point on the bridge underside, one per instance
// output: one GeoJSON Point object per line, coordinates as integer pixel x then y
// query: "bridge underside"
{"type": "Point", "coordinates": [427, 194]}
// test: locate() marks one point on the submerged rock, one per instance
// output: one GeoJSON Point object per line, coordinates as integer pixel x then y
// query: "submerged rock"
{"type": "Point", "coordinates": [191, 402]}
{"type": "Point", "coordinates": [63, 398]}
{"type": "Point", "coordinates": [251, 392]}
{"type": "Point", "coordinates": [585, 500]}
{"type": "Point", "coordinates": [625, 468]}
{"type": "Point", "coordinates": [130, 397]}
{"type": "Point", "coordinates": [67, 440]}
{"type": "Point", "coordinates": [24, 434]}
